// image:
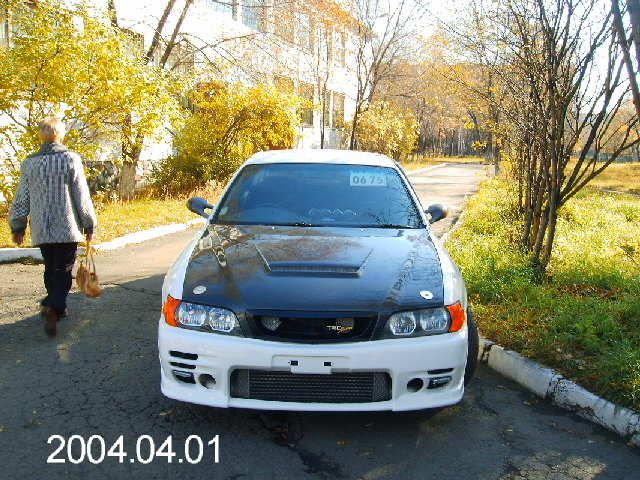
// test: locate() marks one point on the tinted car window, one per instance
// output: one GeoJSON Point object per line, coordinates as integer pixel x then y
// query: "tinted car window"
{"type": "Point", "coordinates": [319, 195]}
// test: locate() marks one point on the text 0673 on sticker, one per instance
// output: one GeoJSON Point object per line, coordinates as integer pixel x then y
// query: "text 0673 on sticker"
{"type": "Point", "coordinates": [367, 179]}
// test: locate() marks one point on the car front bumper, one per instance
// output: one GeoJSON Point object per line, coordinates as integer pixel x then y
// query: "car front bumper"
{"type": "Point", "coordinates": [403, 359]}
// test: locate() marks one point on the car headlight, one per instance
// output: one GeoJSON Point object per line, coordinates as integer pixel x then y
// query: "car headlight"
{"type": "Point", "coordinates": [402, 324]}
{"type": "Point", "coordinates": [221, 320]}
{"type": "Point", "coordinates": [431, 321]}
{"type": "Point", "coordinates": [192, 315]}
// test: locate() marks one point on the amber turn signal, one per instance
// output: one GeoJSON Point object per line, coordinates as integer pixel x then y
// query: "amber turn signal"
{"type": "Point", "coordinates": [169, 310]}
{"type": "Point", "coordinates": [458, 316]}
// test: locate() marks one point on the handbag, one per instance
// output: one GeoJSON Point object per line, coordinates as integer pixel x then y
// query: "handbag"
{"type": "Point", "coordinates": [86, 276]}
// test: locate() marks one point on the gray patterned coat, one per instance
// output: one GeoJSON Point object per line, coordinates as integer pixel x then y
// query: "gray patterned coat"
{"type": "Point", "coordinates": [54, 191]}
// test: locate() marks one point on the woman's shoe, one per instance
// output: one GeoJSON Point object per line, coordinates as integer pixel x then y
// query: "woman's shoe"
{"type": "Point", "coordinates": [62, 315]}
{"type": "Point", "coordinates": [51, 319]}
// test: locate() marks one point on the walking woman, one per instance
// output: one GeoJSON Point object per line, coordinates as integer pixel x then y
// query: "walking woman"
{"type": "Point", "coordinates": [53, 192]}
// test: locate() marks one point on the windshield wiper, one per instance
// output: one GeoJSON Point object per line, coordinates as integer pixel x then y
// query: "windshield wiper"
{"type": "Point", "coordinates": [387, 225]}
{"type": "Point", "coordinates": [296, 224]}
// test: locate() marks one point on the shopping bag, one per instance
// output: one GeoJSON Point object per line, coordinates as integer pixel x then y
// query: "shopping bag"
{"type": "Point", "coordinates": [86, 275]}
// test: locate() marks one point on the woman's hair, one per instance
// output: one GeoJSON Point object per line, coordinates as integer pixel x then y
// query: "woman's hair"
{"type": "Point", "coordinates": [52, 127]}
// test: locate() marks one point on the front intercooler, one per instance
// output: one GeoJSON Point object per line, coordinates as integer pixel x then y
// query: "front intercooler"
{"type": "Point", "coordinates": [341, 387]}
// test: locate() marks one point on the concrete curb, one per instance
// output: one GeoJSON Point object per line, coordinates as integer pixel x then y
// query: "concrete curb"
{"type": "Point", "coordinates": [618, 192]}
{"type": "Point", "coordinates": [8, 255]}
{"type": "Point", "coordinates": [548, 384]}
{"type": "Point", "coordinates": [144, 235]}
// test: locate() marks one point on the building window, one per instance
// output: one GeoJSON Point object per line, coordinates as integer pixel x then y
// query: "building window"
{"type": "Point", "coordinates": [283, 84]}
{"type": "Point", "coordinates": [338, 110]}
{"type": "Point", "coordinates": [306, 112]}
{"type": "Point", "coordinates": [9, 27]}
{"type": "Point", "coordinates": [284, 23]}
{"type": "Point", "coordinates": [305, 32]}
{"type": "Point", "coordinates": [182, 58]}
{"type": "Point", "coordinates": [226, 7]}
{"type": "Point", "coordinates": [340, 47]}
{"type": "Point", "coordinates": [4, 24]}
{"type": "Point", "coordinates": [325, 43]}
{"type": "Point", "coordinates": [254, 15]}
{"type": "Point", "coordinates": [326, 108]}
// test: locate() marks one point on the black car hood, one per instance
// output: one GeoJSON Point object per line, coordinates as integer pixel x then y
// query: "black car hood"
{"type": "Point", "coordinates": [252, 268]}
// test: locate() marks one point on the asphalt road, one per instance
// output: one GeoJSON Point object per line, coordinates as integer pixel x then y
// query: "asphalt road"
{"type": "Point", "coordinates": [449, 185]}
{"type": "Point", "coordinates": [101, 376]}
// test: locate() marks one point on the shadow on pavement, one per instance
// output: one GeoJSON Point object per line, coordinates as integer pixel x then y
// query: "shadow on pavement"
{"type": "Point", "coordinates": [101, 376]}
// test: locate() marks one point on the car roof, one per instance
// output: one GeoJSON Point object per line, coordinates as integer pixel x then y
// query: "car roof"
{"type": "Point", "coordinates": [344, 157]}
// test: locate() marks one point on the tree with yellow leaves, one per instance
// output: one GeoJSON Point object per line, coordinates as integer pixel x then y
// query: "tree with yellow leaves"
{"type": "Point", "coordinates": [76, 65]}
{"type": "Point", "coordinates": [387, 129]}
{"type": "Point", "coordinates": [230, 122]}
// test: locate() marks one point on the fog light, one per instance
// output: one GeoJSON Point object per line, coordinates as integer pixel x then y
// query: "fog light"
{"type": "Point", "coordinates": [415, 384]}
{"type": "Point", "coordinates": [271, 323]}
{"type": "Point", "coordinates": [207, 381]}
{"type": "Point", "coordinates": [438, 382]}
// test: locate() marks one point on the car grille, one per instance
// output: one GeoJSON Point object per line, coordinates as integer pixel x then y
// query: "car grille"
{"type": "Point", "coordinates": [354, 387]}
{"type": "Point", "coordinates": [314, 329]}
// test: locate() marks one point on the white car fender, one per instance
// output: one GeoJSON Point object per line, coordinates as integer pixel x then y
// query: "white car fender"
{"type": "Point", "coordinates": [174, 279]}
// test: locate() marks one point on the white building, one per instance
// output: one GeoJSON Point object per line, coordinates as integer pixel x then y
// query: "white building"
{"type": "Point", "coordinates": [260, 41]}
{"type": "Point", "coordinates": [294, 44]}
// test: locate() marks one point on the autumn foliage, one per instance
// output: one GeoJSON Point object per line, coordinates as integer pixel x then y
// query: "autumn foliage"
{"type": "Point", "coordinates": [77, 66]}
{"type": "Point", "coordinates": [230, 122]}
{"type": "Point", "coordinates": [385, 128]}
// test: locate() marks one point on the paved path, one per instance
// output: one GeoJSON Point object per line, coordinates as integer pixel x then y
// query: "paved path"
{"type": "Point", "coordinates": [100, 376]}
{"type": "Point", "coordinates": [449, 185]}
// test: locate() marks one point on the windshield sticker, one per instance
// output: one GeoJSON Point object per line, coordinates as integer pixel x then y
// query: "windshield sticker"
{"type": "Point", "coordinates": [367, 179]}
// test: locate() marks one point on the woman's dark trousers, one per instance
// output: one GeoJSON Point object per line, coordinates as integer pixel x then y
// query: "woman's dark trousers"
{"type": "Point", "coordinates": [58, 264]}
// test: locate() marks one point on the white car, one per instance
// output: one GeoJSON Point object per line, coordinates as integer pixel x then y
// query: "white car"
{"type": "Point", "coordinates": [316, 284]}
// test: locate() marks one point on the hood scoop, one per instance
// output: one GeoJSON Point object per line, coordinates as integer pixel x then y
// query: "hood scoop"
{"type": "Point", "coordinates": [314, 269]}
{"type": "Point", "coordinates": [341, 257]}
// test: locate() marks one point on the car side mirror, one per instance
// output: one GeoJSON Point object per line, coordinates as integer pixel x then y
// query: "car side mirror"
{"type": "Point", "coordinates": [436, 212]}
{"type": "Point", "coordinates": [199, 205]}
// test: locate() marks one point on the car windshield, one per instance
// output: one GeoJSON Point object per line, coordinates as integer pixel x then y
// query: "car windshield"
{"type": "Point", "coordinates": [319, 195]}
